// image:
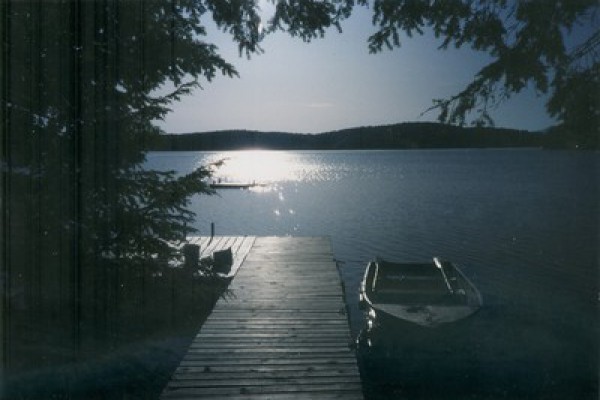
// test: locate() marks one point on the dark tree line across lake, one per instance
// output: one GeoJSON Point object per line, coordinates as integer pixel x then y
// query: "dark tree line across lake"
{"type": "Point", "coordinates": [399, 136]}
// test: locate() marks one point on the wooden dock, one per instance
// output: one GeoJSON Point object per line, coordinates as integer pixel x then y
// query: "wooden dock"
{"type": "Point", "coordinates": [281, 332]}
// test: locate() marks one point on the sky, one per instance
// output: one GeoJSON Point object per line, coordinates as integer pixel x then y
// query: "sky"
{"type": "Point", "coordinates": [334, 83]}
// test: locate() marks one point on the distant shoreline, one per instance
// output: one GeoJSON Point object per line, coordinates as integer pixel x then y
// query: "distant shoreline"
{"type": "Point", "coordinates": [409, 135]}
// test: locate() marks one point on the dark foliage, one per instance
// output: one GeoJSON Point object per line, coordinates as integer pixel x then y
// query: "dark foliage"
{"type": "Point", "coordinates": [86, 231]}
{"type": "Point", "coordinates": [527, 41]}
{"type": "Point", "coordinates": [398, 136]}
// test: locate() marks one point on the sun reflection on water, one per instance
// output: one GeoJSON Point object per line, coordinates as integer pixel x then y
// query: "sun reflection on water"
{"type": "Point", "coordinates": [258, 166]}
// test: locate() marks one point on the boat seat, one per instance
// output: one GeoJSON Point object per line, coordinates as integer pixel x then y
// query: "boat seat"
{"type": "Point", "coordinates": [411, 285]}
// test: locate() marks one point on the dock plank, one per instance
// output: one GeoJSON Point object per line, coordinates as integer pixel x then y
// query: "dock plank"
{"type": "Point", "coordinates": [281, 331]}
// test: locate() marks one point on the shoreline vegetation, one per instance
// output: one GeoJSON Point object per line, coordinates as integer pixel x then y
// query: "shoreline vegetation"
{"type": "Point", "coordinates": [409, 135]}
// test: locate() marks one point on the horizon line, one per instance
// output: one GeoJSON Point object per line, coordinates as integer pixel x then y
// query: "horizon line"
{"type": "Point", "coordinates": [358, 127]}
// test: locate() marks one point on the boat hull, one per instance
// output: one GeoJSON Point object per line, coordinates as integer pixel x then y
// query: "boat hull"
{"type": "Point", "coordinates": [417, 295]}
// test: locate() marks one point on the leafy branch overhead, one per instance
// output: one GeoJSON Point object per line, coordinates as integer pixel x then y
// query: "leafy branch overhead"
{"type": "Point", "coordinates": [529, 42]}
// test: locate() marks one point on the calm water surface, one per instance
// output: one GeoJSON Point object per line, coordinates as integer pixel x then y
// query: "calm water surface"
{"type": "Point", "coordinates": [523, 224]}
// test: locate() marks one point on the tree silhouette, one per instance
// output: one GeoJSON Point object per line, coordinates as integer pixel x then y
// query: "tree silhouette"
{"type": "Point", "coordinates": [527, 42]}
{"type": "Point", "coordinates": [83, 222]}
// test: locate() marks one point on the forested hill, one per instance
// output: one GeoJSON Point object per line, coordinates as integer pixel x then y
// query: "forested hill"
{"type": "Point", "coordinates": [398, 136]}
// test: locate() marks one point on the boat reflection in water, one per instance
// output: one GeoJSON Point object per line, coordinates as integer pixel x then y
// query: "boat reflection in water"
{"type": "Point", "coordinates": [415, 339]}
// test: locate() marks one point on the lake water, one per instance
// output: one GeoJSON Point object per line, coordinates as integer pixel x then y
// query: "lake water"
{"type": "Point", "coordinates": [522, 224]}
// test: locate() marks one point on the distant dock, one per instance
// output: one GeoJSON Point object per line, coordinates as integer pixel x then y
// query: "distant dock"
{"type": "Point", "coordinates": [280, 333]}
{"type": "Point", "coordinates": [235, 185]}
